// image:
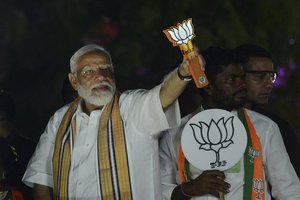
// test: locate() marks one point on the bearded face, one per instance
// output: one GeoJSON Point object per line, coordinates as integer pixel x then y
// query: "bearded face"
{"type": "Point", "coordinates": [94, 79]}
{"type": "Point", "coordinates": [229, 88]}
{"type": "Point", "coordinates": [230, 101]}
{"type": "Point", "coordinates": [97, 94]}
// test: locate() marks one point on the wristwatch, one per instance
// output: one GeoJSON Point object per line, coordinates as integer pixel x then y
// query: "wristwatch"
{"type": "Point", "coordinates": [184, 78]}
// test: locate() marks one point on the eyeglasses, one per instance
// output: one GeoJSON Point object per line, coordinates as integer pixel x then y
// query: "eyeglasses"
{"type": "Point", "coordinates": [263, 75]}
{"type": "Point", "coordinates": [90, 71]}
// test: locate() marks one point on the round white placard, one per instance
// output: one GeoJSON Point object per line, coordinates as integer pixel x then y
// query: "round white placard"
{"type": "Point", "coordinates": [214, 139]}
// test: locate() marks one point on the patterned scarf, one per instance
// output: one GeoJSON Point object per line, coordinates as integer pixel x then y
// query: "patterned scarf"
{"type": "Point", "coordinates": [114, 177]}
{"type": "Point", "coordinates": [253, 162]}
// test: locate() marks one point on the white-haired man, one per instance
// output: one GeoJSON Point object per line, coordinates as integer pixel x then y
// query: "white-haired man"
{"type": "Point", "coordinates": [104, 144]}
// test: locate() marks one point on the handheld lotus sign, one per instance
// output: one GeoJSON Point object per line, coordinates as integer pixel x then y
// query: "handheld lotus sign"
{"type": "Point", "coordinates": [214, 139]}
{"type": "Point", "coordinates": [182, 36]}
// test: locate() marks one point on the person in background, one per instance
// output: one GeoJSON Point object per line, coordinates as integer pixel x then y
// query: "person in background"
{"type": "Point", "coordinates": [16, 149]}
{"type": "Point", "coordinates": [7, 160]}
{"type": "Point", "coordinates": [260, 76]}
{"type": "Point", "coordinates": [104, 145]}
{"type": "Point", "coordinates": [227, 91]}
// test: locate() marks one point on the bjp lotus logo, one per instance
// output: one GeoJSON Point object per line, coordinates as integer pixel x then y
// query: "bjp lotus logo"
{"type": "Point", "coordinates": [214, 136]}
{"type": "Point", "coordinates": [253, 154]}
{"type": "Point", "coordinates": [181, 34]}
{"type": "Point", "coordinates": [258, 186]}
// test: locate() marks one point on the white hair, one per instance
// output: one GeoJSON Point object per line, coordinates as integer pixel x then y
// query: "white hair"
{"type": "Point", "coordinates": [84, 50]}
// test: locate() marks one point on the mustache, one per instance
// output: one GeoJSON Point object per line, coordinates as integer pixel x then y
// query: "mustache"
{"type": "Point", "coordinates": [100, 84]}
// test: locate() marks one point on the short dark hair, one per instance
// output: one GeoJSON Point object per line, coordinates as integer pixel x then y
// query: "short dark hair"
{"type": "Point", "coordinates": [216, 58]}
{"type": "Point", "coordinates": [248, 50]}
{"type": "Point", "coordinates": [7, 106]}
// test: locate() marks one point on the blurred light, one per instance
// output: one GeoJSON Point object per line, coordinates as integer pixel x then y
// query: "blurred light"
{"type": "Point", "coordinates": [280, 79]}
{"type": "Point", "coordinates": [292, 64]}
{"type": "Point", "coordinates": [280, 72]}
{"type": "Point", "coordinates": [291, 41]}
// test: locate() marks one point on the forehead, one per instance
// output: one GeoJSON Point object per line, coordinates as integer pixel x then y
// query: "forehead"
{"type": "Point", "coordinates": [98, 57]}
{"type": "Point", "coordinates": [235, 69]}
{"type": "Point", "coordinates": [260, 64]}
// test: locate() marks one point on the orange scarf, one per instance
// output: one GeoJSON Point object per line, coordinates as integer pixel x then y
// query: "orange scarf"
{"type": "Point", "coordinates": [253, 162]}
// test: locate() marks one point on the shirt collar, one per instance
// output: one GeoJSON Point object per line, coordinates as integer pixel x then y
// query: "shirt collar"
{"type": "Point", "coordinates": [79, 111]}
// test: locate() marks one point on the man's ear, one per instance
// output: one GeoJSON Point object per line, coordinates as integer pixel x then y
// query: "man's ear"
{"type": "Point", "coordinates": [73, 80]}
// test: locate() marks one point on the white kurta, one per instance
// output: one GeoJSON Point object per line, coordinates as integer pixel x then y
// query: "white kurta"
{"type": "Point", "coordinates": [143, 118]}
{"type": "Point", "coordinates": [278, 170]}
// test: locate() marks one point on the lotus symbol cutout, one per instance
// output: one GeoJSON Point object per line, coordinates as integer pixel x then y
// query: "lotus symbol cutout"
{"type": "Point", "coordinates": [214, 136]}
{"type": "Point", "coordinates": [258, 186]}
{"type": "Point", "coordinates": [182, 33]}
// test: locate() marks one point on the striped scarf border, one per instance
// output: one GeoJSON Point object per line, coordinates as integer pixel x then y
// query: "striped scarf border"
{"type": "Point", "coordinates": [114, 175]}
{"type": "Point", "coordinates": [114, 170]}
{"type": "Point", "coordinates": [61, 159]}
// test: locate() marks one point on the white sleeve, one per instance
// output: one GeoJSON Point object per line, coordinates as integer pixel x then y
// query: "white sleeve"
{"type": "Point", "coordinates": [168, 165]}
{"type": "Point", "coordinates": [279, 170]}
{"type": "Point", "coordinates": [39, 168]}
{"type": "Point", "coordinates": [143, 108]}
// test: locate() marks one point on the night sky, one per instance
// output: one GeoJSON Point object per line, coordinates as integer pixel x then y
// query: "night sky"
{"type": "Point", "coordinates": [37, 40]}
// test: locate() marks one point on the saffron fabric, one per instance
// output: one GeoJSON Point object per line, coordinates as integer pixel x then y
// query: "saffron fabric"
{"type": "Point", "coordinates": [278, 171]}
{"type": "Point", "coordinates": [253, 162]}
{"type": "Point", "coordinates": [290, 139]}
{"type": "Point", "coordinates": [144, 119]}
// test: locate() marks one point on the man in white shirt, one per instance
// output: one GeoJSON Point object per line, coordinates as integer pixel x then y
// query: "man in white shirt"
{"type": "Point", "coordinates": [104, 144]}
{"type": "Point", "coordinates": [227, 90]}
{"type": "Point", "coordinates": [260, 76]}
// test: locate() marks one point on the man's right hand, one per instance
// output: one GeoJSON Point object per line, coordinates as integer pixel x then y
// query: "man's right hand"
{"type": "Point", "coordinates": [209, 182]}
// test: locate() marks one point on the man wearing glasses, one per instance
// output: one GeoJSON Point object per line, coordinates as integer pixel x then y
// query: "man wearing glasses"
{"type": "Point", "coordinates": [260, 76]}
{"type": "Point", "coordinates": [104, 145]}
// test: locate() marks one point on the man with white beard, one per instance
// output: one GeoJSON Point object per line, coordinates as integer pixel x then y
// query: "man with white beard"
{"type": "Point", "coordinates": [104, 144]}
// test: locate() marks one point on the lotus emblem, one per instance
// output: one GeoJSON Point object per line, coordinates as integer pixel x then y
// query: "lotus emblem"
{"type": "Point", "coordinates": [182, 33]}
{"type": "Point", "coordinates": [258, 186]}
{"type": "Point", "coordinates": [214, 136]}
{"type": "Point", "coordinates": [253, 154]}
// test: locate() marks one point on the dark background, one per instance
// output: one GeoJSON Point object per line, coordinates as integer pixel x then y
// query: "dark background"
{"type": "Point", "coordinates": [37, 38]}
